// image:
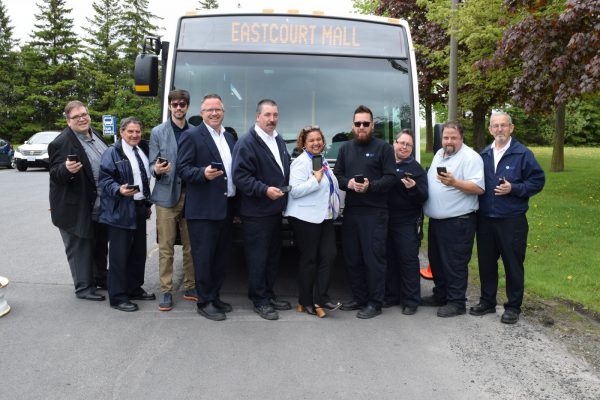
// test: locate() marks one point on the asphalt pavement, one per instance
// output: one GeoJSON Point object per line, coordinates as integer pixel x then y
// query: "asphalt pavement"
{"type": "Point", "coordinates": [54, 346]}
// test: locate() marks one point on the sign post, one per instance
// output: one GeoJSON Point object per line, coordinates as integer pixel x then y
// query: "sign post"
{"type": "Point", "coordinates": [109, 126]}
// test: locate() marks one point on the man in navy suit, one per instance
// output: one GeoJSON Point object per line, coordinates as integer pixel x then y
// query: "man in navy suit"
{"type": "Point", "coordinates": [204, 164]}
{"type": "Point", "coordinates": [261, 166]}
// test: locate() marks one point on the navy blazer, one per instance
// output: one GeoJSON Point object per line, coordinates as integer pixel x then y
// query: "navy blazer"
{"type": "Point", "coordinates": [204, 199]}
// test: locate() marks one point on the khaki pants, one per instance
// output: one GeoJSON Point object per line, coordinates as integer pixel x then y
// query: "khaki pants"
{"type": "Point", "coordinates": [167, 220]}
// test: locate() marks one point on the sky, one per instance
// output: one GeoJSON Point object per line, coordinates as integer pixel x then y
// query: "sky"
{"type": "Point", "coordinates": [21, 12]}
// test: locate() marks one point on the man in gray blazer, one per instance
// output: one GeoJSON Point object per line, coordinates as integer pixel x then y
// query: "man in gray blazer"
{"type": "Point", "coordinates": [169, 197]}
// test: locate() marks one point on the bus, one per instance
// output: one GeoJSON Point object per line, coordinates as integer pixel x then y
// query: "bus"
{"type": "Point", "coordinates": [318, 68]}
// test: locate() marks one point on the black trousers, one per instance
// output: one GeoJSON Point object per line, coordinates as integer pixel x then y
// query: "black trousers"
{"type": "Point", "coordinates": [211, 249]}
{"type": "Point", "coordinates": [87, 259]}
{"type": "Point", "coordinates": [127, 259]}
{"type": "Point", "coordinates": [262, 248]}
{"type": "Point", "coordinates": [450, 249]}
{"type": "Point", "coordinates": [403, 281]}
{"type": "Point", "coordinates": [316, 245]}
{"type": "Point", "coordinates": [506, 238]}
{"type": "Point", "coordinates": [364, 237]}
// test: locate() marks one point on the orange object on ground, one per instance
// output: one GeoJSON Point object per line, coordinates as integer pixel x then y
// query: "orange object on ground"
{"type": "Point", "coordinates": [426, 273]}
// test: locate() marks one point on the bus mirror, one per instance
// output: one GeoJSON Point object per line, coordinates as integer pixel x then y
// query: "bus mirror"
{"type": "Point", "coordinates": [146, 75]}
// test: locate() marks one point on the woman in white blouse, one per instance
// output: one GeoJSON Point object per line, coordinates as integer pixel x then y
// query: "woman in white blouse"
{"type": "Point", "coordinates": [313, 204]}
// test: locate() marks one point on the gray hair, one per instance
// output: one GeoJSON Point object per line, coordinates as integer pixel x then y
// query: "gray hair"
{"type": "Point", "coordinates": [130, 120]}
{"type": "Point", "coordinates": [500, 113]}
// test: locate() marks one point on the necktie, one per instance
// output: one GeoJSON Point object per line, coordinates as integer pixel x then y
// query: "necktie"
{"type": "Point", "coordinates": [144, 175]}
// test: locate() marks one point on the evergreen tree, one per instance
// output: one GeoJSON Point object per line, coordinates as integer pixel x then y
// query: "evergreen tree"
{"type": "Point", "coordinates": [53, 47]}
{"type": "Point", "coordinates": [208, 4]}
{"type": "Point", "coordinates": [10, 77]}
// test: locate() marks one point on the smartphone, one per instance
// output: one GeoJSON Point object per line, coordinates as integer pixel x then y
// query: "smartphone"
{"type": "Point", "coordinates": [216, 165]}
{"type": "Point", "coordinates": [73, 157]}
{"type": "Point", "coordinates": [359, 178]}
{"type": "Point", "coordinates": [440, 170]}
{"type": "Point", "coordinates": [317, 162]}
{"type": "Point", "coordinates": [162, 161]}
{"type": "Point", "coordinates": [408, 175]}
{"type": "Point", "coordinates": [501, 181]}
{"type": "Point", "coordinates": [285, 189]}
{"type": "Point", "coordinates": [136, 187]}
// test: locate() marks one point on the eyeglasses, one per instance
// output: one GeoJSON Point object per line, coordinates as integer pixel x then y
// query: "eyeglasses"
{"type": "Point", "coordinates": [180, 104]}
{"type": "Point", "coordinates": [496, 126]}
{"type": "Point", "coordinates": [366, 124]}
{"type": "Point", "coordinates": [310, 128]}
{"type": "Point", "coordinates": [80, 116]}
{"type": "Point", "coordinates": [404, 144]}
{"type": "Point", "coordinates": [212, 110]}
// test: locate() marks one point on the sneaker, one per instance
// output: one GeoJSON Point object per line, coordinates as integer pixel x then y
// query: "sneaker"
{"type": "Point", "coordinates": [432, 301]}
{"type": "Point", "coordinates": [191, 295]}
{"type": "Point", "coordinates": [166, 302]}
{"type": "Point", "coordinates": [267, 312]}
{"type": "Point", "coordinates": [509, 317]}
{"type": "Point", "coordinates": [450, 310]}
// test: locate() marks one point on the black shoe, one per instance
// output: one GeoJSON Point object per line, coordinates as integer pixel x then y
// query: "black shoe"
{"type": "Point", "coordinates": [432, 301]}
{"type": "Point", "coordinates": [126, 306]}
{"type": "Point", "coordinates": [368, 312]}
{"type": "Point", "coordinates": [211, 312]}
{"type": "Point", "coordinates": [221, 305]}
{"type": "Point", "coordinates": [331, 306]}
{"type": "Point", "coordinates": [280, 304]}
{"type": "Point", "coordinates": [101, 286]}
{"type": "Point", "coordinates": [143, 295]}
{"type": "Point", "coordinates": [92, 297]}
{"type": "Point", "coordinates": [450, 310]}
{"type": "Point", "coordinates": [390, 302]}
{"type": "Point", "coordinates": [482, 309]}
{"type": "Point", "coordinates": [409, 310]}
{"type": "Point", "coordinates": [351, 306]}
{"type": "Point", "coordinates": [266, 312]}
{"type": "Point", "coordinates": [509, 317]}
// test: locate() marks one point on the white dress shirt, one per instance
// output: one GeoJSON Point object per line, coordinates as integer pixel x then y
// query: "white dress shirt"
{"type": "Point", "coordinates": [272, 144]}
{"type": "Point", "coordinates": [225, 154]}
{"type": "Point", "coordinates": [135, 168]}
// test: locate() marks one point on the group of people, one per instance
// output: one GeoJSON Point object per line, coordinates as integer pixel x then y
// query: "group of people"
{"type": "Point", "coordinates": [205, 179]}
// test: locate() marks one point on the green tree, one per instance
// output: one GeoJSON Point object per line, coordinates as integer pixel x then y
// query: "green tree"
{"type": "Point", "coordinates": [52, 65]}
{"type": "Point", "coordinates": [9, 78]}
{"type": "Point", "coordinates": [208, 4]}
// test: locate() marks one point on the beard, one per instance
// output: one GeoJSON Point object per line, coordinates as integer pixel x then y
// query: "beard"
{"type": "Point", "coordinates": [449, 149]}
{"type": "Point", "coordinates": [363, 139]}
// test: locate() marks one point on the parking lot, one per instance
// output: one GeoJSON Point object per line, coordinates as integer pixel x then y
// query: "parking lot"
{"type": "Point", "coordinates": [54, 346]}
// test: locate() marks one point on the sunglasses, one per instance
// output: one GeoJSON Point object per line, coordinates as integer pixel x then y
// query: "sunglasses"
{"type": "Point", "coordinates": [366, 124]}
{"type": "Point", "coordinates": [310, 128]}
{"type": "Point", "coordinates": [180, 104]}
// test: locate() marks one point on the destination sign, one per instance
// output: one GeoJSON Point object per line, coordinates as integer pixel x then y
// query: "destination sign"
{"type": "Point", "coordinates": [292, 34]}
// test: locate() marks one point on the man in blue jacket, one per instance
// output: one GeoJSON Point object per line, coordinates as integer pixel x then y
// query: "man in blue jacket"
{"type": "Point", "coordinates": [512, 170]}
{"type": "Point", "coordinates": [204, 164]}
{"type": "Point", "coordinates": [261, 167]}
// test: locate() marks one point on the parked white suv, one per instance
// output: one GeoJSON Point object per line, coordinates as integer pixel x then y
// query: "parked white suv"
{"type": "Point", "coordinates": [34, 153]}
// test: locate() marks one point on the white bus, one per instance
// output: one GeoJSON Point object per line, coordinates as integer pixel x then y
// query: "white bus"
{"type": "Point", "coordinates": [318, 69]}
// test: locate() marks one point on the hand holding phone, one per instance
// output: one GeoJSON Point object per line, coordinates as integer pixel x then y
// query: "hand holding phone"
{"type": "Point", "coordinates": [285, 189]}
{"type": "Point", "coordinates": [135, 187]}
{"type": "Point", "coordinates": [408, 175]}
{"type": "Point", "coordinates": [359, 178]}
{"type": "Point", "coordinates": [440, 170]}
{"type": "Point", "coordinates": [162, 161]}
{"type": "Point", "coordinates": [216, 165]}
{"type": "Point", "coordinates": [73, 157]}
{"type": "Point", "coordinates": [317, 162]}
{"type": "Point", "coordinates": [501, 181]}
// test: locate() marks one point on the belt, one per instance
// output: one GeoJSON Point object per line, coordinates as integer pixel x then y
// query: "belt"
{"type": "Point", "coordinates": [465, 216]}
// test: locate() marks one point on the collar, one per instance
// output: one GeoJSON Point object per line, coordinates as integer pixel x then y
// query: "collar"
{"type": "Point", "coordinates": [263, 135]}
{"type": "Point", "coordinates": [502, 149]}
{"type": "Point", "coordinates": [213, 131]}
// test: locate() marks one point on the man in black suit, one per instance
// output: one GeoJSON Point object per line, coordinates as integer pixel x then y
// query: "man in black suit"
{"type": "Point", "coordinates": [261, 167]}
{"type": "Point", "coordinates": [74, 200]}
{"type": "Point", "coordinates": [204, 164]}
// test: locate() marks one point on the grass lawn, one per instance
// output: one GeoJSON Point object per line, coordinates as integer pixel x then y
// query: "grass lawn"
{"type": "Point", "coordinates": [563, 249]}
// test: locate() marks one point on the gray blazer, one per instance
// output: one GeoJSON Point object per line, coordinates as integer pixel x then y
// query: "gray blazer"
{"type": "Point", "coordinates": [167, 187]}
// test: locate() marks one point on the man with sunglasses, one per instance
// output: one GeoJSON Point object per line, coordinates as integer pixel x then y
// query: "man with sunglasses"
{"type": "Point", "coordinates": [169, 197]}
{"type": "Point", "coordinates": [365, 169]}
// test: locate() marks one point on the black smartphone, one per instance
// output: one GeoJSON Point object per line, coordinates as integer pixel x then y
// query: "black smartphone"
{"type": "Point", "coordinates": [501, 181]}
{"type": "Point", "coordinates": [162, 161]}
{"type": "Point", "coordinates": [136, 187]}
{"type": "Point", "coordinates": [359, 178]}
{"type": "Point", "coordinates": [317, 162]}
{"type": "Point", "coordinates": [216, 165]}
{"type": "Point", "coordinates": [73, 157]}
{"type": "Point", "coordinates": [285, 189]}
{"type": "Point", "coordinates": [408, 175]}
{"type": "Point", "coordinates": [440, 170]}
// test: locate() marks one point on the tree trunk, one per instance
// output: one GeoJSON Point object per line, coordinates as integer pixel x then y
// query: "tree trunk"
{"type": "Point", "coordinates": [558, 149]}
{"type": "Point", "coordinates": [479, 131]}
{"type": "Point", "coordinates": [428, 127]}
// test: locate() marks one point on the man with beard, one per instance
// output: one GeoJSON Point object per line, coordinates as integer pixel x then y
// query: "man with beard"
{"type": "Point", "coordinates": [75, 157]}
{"type": "Point", "coordinates": [365, 170]}
{"type": "Point", "coordinates": [169, 197]}
{"type": "Point", "coordinates": [455, 179]}
{"type": "Point", "coordinates": [261, 167]}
